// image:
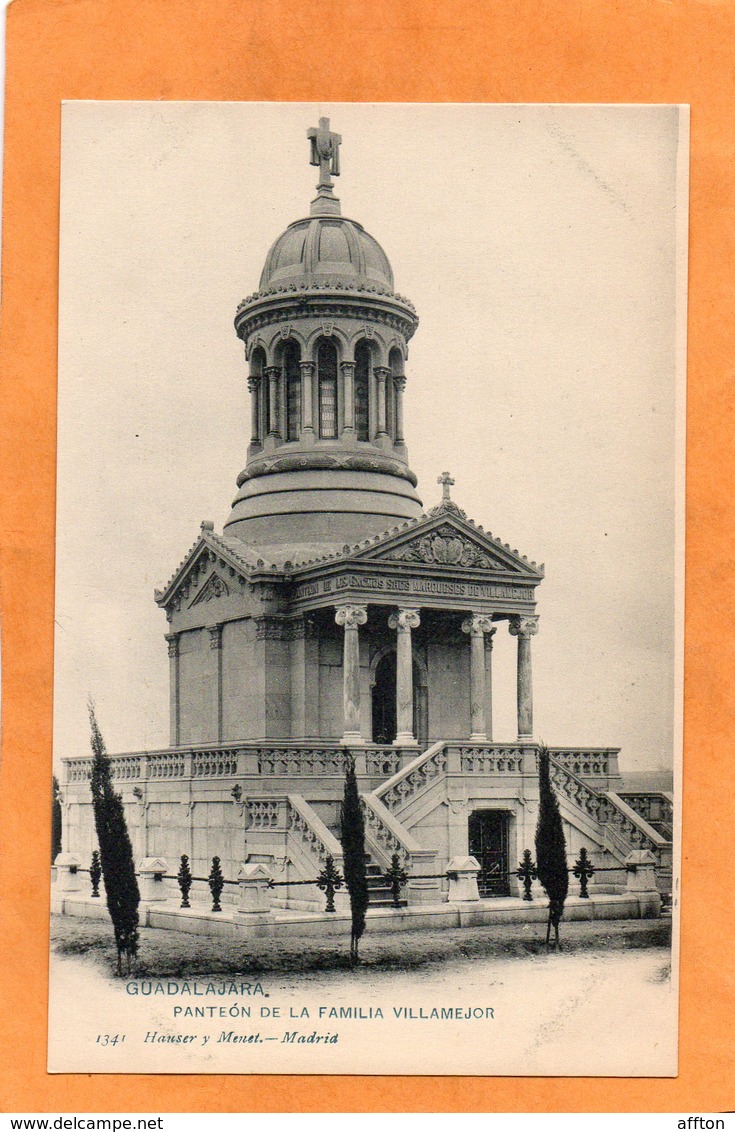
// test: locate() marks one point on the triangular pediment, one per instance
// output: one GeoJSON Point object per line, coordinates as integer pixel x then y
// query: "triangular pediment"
{"type": "Point", "coordinates": [211, 569]}
{"type": "Point", "coordinates": [448, 540]}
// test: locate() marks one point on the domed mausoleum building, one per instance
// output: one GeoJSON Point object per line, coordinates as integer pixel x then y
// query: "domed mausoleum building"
{"type": "Point", "coordinates": [334, 615]}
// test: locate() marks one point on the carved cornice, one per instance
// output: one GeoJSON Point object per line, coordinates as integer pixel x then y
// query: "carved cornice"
{"type": "Point", "coordinates": [309, 460]}
{"type": "Point", "coordinates": [290, 303]}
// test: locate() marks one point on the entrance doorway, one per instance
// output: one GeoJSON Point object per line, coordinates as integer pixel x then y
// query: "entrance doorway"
{"type": "Point", "coordinates": [385, 716]}
{"type": "Point", "coordinates": [488, 844]}
{"type": "Point", "coordinates": [384, 700]}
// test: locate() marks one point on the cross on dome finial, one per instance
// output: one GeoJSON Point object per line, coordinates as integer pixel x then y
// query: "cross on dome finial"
{"type": "Point", "coordinates": [324, 153]}
{"type": "Point", "coordinates": [446, 481]}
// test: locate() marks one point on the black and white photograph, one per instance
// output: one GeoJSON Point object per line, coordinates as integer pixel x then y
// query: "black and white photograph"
{"type": "Point", "coordinates": [369, 589]}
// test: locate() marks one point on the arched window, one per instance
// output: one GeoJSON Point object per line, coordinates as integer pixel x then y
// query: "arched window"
{"type": "Point", "coordinates": [362, 385]}
{"type": "Point", "coordinates": [292, 374]}
{"type": "Point", "coordinates": [327, 370]}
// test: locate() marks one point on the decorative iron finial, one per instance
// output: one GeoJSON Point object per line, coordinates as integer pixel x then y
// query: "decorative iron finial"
{"type": "Point", "coordinates": [325, 153]}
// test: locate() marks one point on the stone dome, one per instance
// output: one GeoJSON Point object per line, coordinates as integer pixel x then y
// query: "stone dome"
{"type": "Point", "coordinates": [321, 248]}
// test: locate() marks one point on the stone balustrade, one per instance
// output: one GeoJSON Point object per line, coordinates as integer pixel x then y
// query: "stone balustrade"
{"type": "Point", "coordinates": [237, 760]}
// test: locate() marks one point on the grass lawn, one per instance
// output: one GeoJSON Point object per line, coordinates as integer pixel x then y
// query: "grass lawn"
{"type": "Point", "coordinates": [168, 953]}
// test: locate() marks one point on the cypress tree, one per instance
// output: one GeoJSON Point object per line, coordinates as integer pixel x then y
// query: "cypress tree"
{"type": "Point", "coordinates": [551, 850]}
{"type": "Point", "coordinates": [353, 849]}
{"type": "Point", "coordinates": [116, 851]}
{"type": "Point", "coordinates": [55, 819]}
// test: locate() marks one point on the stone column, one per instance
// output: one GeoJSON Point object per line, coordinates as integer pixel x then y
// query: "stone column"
{"type": "Point", "coordinates": [173, 687]}
{"type": "Point", "coordinates": [489, 683]}
{"type": "Point", "coordinates": [404, 620]}
{"type": "Point", "coordinates": [524, 628]}
{"type": "Point", "coordinates": [477, 626]}
{"type": "Point", "coordinates": [254, 387]}
{"type": "Point", "coordinates": [400, 386]}
{"type": "Point", "coordinates": [272, 374]}
{"type": "Point", "coordinates": [307, 398]}
{"type": "Point", "coordinates": [351, 617]}
{"type": "Point", "coordinates": [381, 376]}
{"type": "Point", "coordinates": [348, 382]}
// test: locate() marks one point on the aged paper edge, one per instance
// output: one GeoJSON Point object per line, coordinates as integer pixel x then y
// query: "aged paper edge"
{"type": "Point", "coordinates": [201, 51]}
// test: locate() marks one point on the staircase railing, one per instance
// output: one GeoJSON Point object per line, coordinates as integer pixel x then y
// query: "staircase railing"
{"type": "Point", "coordinates": [386, 835]}
{"type": "Point", "coordinates": [414, 777]}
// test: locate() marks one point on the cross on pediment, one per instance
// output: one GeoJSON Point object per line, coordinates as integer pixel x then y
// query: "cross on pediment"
{"type": "Point", "coordinates": [446, 481]}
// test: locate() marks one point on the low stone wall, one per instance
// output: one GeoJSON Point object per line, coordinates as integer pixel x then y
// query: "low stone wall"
{"type": "Point", "coordinates": [500, 910]}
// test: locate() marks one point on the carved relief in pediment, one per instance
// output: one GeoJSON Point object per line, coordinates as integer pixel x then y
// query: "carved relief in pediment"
{"type": "Point", "coordinates": [214, 587]}
{"type": "Point", "coordinates": [444, 546]}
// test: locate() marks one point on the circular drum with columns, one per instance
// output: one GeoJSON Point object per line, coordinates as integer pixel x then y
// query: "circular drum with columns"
{"type": "Point", "coordinates": [326, 340]}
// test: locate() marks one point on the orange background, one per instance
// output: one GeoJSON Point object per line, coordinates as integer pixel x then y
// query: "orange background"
{"type": "Point", "coordinates": [380, 50]}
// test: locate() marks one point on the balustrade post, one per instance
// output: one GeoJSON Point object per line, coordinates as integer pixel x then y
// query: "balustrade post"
{"type": "Point", "coordinates": [404, 620]}
{"type": "Point", "coordinates": [351, 617]}
{"type": "Point", "coordinates": [477, 626]}
{"type": "Point", "coordinates": [524, 628]}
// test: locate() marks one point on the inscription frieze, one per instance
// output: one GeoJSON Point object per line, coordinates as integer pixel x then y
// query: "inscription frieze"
{"type": "Point", "coordinates": [431, 586]}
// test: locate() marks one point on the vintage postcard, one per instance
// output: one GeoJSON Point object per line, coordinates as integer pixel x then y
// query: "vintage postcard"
{"type": "Point", "coordinates": [368, 672]}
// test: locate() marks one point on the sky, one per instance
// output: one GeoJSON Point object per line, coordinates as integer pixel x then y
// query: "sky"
{"type": "Point", "coordinates": [543, 247]}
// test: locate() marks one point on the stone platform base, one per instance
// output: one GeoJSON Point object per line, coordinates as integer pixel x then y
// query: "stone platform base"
{"type": "Point", "coordinates": [500, 910]}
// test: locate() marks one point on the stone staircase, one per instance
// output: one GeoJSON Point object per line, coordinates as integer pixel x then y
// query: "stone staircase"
{"type": "Point", "coordinates": [379, 890]}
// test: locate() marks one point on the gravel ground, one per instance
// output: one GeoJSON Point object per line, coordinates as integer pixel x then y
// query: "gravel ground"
{"type": "Point", "coordinates": [178, 954]}
{"type": "Point", "coordinates": [605, 1005]}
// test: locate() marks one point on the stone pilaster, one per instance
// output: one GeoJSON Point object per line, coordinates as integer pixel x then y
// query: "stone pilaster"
{"type": "Point", "coordinates": [524, 628]}
{"type": "Point", "coordinates": [172, 640]}
{"type": "Point", "coordinates": [214, 633]}
{"type": "Point", "coordinates": [403, 621]}
{"type": "Point", "coordinates": [351, 617]}
{"type": "Point", "coordinates": [477, 626]}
